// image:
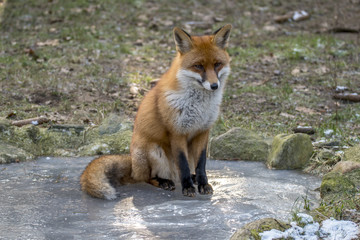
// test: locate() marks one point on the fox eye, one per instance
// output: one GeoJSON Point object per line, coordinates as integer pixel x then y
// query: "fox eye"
{"type": "Point", "coordinates": [218, 64]}
{"type": "Point", "coordinates": [199, 67]}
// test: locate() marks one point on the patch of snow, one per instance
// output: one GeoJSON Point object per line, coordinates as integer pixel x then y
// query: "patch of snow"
{"type": "Point", "coordinates": [328, 132]}
{"type": "Point", "coordinates": [331, 229]}
{"type": "Point", "coordinates": [305, 218]}
{"type": "Point", "coordinates": [34, 122]}
{"type": "Point", "coordinates": [299, 14]}
{"type": "Point", "coordinates": [272, 234]}
{"type": "Point", "coordinates": [339, 153]}
{"type": "Point", "coordinates": [341, 88]}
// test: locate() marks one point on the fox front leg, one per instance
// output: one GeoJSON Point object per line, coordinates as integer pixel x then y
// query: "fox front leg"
{"type": "Point", "coordinates": [187, 184]}
{"type": "Point", "coordinates": [203, 186]}
{"type": "Point", "coordinates": [180, 154]}
{"type": "Point", "coordinates": [197, 150]}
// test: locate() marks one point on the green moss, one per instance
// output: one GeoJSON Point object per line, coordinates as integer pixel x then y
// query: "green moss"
{"type": "Point", "coordinates": [290, 151]}
{"type": "Point", "coordinates": [253, 229]}
{"type": "Point", "coordinates": [334, 183]}
{"type": "Point", "coordinates": [339, 192]}
{"type": "Point", "coordinates": [353, 154]}
{"type": "Point", "coordinates": [239, 144]}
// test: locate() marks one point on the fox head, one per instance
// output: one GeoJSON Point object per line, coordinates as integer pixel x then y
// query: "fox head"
{"type": "Point", "coordinates": [203, 60]}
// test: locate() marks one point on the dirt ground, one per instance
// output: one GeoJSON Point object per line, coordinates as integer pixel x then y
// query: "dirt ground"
{"type": "Point", "coordinates": [77, 61]}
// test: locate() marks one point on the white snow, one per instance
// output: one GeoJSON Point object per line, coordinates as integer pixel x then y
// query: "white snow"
{"type": "Point", "coordinates": [330, 229]}
{"type": "Point", "coordinates": [305, 218]}
{"type": "Point", "coordinates": [341, 88]}
{"type": "Point", "coordinates": [299, 14]}
{"type": "Point", "coordinates": [333, 230]}
{"type": "Point", "coordinates": [34, 122]}
{"type": "Point", "coordinates": [328, 132]}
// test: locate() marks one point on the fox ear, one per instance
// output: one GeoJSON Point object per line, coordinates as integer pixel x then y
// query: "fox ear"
{"type": "Point", "coordinates": [222, 35]}
{"type": "Point", "coordinates": [182, 40]}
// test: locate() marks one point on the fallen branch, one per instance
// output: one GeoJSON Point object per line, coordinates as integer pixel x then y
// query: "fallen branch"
{"type": "Point", "coordinates": [34, 121]}
{"type": "Point", "coordinates": [347, 97]}
{"type": "Point", "coordinates": [306, 130]}
{"type": "Point", "coordinates": [343, 30]}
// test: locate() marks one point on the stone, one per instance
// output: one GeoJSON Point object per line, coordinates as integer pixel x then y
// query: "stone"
{"type": "Point", "coordinates": [11, 154]}
{"type": "Point", "coordinates": [252, 229]}
{"type": "Point", "coordinates": [346, 166]}
{"type": "Point", "coordinates": [239, 144]}
{"type": "Point", "coordinates": [352, 154]}
{"type": "Point", "coordinates": [335, 183]}
{"type": "Point", "coordinates": [290, 151]}
{"type": "Point", "coordinates": [118, 143]}
{"type": "Point", "coordinates": [114, 123]}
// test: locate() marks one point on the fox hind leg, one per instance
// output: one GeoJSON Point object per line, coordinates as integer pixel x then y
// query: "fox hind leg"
{"type": "Point", "coordinates": [161, 169]}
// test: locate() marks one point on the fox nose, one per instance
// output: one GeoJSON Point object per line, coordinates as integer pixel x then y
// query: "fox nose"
{"type": "Point", "coordinates": [214, 86]}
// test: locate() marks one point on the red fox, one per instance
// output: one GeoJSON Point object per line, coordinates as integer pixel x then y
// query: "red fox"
{"type": "Point", "coordinates": [172, 125]}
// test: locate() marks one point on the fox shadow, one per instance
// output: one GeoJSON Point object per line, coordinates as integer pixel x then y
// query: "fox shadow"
{"type": "Point", "coordinates": [144, 211]}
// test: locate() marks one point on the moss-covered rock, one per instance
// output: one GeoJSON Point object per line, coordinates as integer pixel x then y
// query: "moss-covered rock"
{"type": "Point", "coordinates": [290, 151]}
{"type": "Point", "coordinates": [111, 137]}
{"type": "Point", "coordinates": [339, 193]}
{"type": "Point", "coordinates": [239, 144]}
{"type": "Point", "coordinates": [251, 230]}
{"type": "Point", "coordinates": [118, 143]}
{"type": "Point", "coordinates": [352, 154]}
{"type": "Point", "coordinates": [113, 124]}
{"type": "Point", "coordinates": [11, 154]}
{"type": "Point", "coordinates": [335, 183]}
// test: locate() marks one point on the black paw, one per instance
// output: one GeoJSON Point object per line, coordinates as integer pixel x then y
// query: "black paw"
{"type": "Point", "coordinates": [163, 183]}
{"type": "Point", "coordinates": [189, 192]}
{"type": "Point", "coordinates": [167, 185]}
{"type": "Point", "coordinates": [205, 189]}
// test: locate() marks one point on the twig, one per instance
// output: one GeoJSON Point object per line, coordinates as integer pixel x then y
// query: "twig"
{"type": "Point", "coordinates": [348, 97]}
{"type": "Point", "coordinates": [35, 121]}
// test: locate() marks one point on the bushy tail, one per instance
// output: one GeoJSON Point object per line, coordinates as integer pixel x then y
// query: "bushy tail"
{"type": "Point", "coordinates": [103, 174]}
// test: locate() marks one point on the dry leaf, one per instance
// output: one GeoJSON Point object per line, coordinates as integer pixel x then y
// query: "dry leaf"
{"type": "Point", "coordinates": [49, 42]}
{"type": "Point", "coordinates": [287, 115]}
{"type": "Point", "coordinates": [306, 110]}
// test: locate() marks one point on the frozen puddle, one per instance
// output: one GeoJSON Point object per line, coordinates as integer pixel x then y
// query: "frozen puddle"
{"type": "Point", "coordinates": [43, 200]}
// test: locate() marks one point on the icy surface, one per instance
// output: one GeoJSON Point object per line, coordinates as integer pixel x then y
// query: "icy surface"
{"type": "Point", "coordinates": [330, 230]}
{"type": "Point", "coordinates": [42, 200]}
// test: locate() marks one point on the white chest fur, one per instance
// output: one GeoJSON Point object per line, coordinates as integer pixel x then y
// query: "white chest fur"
{"type": "Point", "coordinates": [196, 108]}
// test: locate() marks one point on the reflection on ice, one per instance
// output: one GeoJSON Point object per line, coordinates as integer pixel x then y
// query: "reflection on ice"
{"type": "Point", "coordinates": [43, 200]}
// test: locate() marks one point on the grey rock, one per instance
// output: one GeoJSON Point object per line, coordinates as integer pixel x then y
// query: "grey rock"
{"type": "Point", "coordinates": [290, 151]}
{"type": "Point", "coordinates": [239, 144]}
{"type": "Point", "coordinates": [114, 123]}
